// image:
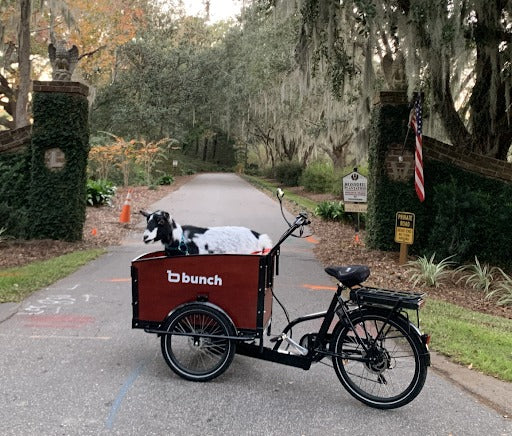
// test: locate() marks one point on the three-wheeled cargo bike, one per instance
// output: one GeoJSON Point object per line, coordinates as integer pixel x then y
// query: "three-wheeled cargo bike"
{"type": "Point", "coordinates": [206, 308]}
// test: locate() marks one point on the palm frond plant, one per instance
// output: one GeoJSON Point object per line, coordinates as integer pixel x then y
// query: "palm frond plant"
{"type": "Point", "coordinates": [425, 271]}
{"type": "Point", "coordinates": [4, 237]}
{"type": "Point", "coordinates": [502, 290]}
{"type": "Point", "coordinates": [478, 276]}
{"type": "Point", "coordinates": [330, 210]}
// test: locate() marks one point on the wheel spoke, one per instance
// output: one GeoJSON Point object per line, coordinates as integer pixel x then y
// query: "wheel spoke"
{"type": "Point", "coordinates": [387, 370]}
{"type": "Point", "coordinates": [192, 355]}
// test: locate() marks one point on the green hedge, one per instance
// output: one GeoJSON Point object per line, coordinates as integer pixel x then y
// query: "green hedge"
{"type": "Point", "coordinates": [289, 173]}
{"type": "Point", "coordinates": [469, 215]}
{"type": "Point", "coordinates": [58, 198]}
{"type": "Point", "coordinates": [14, 193]}
{"type": "Point", "coordinates": [463, 214]}
{"type": "Point", "coordinates": [318, 177]}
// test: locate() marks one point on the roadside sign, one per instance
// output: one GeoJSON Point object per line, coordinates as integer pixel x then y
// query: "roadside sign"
{"type": "Point", "coordinates": [356, 207]}
{"type": "Point", "coordinates": [404, 228]}
{"type": "Point", "coordinates": [355, 188]}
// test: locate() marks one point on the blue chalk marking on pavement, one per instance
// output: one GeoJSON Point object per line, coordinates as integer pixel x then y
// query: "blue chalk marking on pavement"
{"type": "Point", "coordinates": [122, 393]}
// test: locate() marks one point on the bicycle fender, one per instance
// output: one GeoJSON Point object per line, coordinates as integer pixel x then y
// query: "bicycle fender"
{"type": "Point", "coordinates": [202, 303]}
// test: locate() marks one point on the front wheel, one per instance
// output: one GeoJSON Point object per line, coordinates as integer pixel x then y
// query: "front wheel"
{"type": "Point", "coordinates": [195, 347]}
{"type": "Point", "coordinates": [378, 360]}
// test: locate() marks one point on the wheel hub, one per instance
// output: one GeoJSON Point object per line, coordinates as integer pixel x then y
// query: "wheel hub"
{"type": "Point", "coordinates": [378, 360]}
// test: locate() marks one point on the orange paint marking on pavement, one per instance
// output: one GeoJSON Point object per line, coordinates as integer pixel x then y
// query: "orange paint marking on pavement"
{"type": "Point", "coordinates": [59, 321]}
{"type": "Point", "coordinates": [312, 240]}
{"type": "Point", "coordinates": [319, 287]}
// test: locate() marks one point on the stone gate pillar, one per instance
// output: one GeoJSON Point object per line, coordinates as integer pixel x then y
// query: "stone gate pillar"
{"type": "Point", "coordinates": [60, 146]}
{"type": "Point", "coordinates": [391, 169]}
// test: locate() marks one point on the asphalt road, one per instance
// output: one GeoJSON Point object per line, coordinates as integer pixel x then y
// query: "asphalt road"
{"type": "Point", "coordinates": [71, 364]}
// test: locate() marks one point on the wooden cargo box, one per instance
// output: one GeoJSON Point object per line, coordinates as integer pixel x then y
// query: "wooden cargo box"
{"type": "Point", "coordinates": [241, 285]}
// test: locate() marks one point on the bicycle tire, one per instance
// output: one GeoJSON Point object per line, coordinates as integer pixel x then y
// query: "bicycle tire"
{"type": "Point", "coordinates": [198, 358]}
{"type": "Point", "coordinates": [397, 373]}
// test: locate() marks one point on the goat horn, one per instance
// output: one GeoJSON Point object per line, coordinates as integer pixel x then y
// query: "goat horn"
{"type": "Point", "coordinates": [144, 213]}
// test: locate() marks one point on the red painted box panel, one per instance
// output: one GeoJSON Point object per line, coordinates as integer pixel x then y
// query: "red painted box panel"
{"type": "Point", "coordinates": [229, 281]}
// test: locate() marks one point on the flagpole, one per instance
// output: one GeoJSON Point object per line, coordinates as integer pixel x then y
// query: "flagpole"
{"type": "Point", "coordinates": [400, 156]}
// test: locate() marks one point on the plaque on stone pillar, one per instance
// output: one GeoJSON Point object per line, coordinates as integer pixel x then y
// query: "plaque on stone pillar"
{"type": "Point", "coordinates": [399, 163]}
{"type": "Point", "coordinates": [54, 159]}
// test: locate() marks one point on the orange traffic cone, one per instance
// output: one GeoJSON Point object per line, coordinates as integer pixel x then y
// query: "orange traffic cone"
{"type": "Point", "coordinates": [124, 218]}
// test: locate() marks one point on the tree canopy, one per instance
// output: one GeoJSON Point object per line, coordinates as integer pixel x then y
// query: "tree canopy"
{"type": "Point", "coordinates": [289, 80]}
{"type": "Point", "coordinates": [27, 28]}
{"type": "Point", "coordinates": [457, 51]}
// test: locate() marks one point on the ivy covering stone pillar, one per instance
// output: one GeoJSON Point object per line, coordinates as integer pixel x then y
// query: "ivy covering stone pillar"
{"type": "Point", "coordinates": [390, 179]}
{"type": "Point", "coordinates": [60, 146]}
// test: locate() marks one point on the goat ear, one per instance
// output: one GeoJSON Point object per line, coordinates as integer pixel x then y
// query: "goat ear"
{"type": "Point", "coordinates": [166, 216]}
{"type": "Point", "coordinates": [146, 214]}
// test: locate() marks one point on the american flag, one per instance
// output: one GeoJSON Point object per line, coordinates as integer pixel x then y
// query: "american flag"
{"type": "Point", "coordinates": [416, 123]}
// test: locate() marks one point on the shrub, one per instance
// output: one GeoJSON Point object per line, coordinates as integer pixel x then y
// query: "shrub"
{"type": "Point", "coordinates": [100, 193]}
{"type": "Point", "coordinates": [289, 173]}
{"type": "Point", "coordinates": [3, 235]}
{"type": "Point", "coordinates": [330, 210]}
{"type": "Point", "coordinates": [478, 276]}
{"type": "Point", "coordinates": [252, 169]}
{"type": "Point", "coordinates": [427, 272]}
{"type": "Point", "coordinates": [14, 193]}
{"type": "Point", "coordinates": [335, 211]}
{"type": "Point", "coordinates": [502, 290]}
{"type": "Point", "coordinates": [166, 180]}
{"type": "Point", "coordinates": [318, 177]}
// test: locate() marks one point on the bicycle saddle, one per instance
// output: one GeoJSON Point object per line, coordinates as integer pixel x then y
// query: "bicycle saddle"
{"type": "Point", "coordinates": [349, 275]}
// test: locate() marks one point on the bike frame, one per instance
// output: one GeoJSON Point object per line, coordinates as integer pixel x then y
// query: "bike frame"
{"type": "Point", "coordinates": [336, 307]}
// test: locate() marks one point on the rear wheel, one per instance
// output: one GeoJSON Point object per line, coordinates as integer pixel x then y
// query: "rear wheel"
{"type": "Point", "coordinates": [384, 369]}
{"type": "Point", "coordinates": [190, 351]}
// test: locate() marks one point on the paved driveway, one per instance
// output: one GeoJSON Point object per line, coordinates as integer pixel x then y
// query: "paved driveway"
{"type": "Point", "coordinates": [71, 364]}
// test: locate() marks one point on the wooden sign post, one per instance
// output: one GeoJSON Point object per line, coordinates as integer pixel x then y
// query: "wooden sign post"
{"type": "Point", "coordinates": [404, 233]}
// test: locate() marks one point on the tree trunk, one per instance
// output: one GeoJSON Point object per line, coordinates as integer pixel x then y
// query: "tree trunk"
{"type": "Point", "coordinates": [214, 152]}
{"type": "Point", "coordinates": [338, 150]}
{"type": "Point", "coordinates": [21, 116]}
{"type": "Point", "coordinates": [444, 105]}
{"type": "Point", "coordinates": [205, 149]}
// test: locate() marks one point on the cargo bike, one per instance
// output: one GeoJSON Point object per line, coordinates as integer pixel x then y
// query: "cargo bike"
{"type": "Point", "coordinates": [206, 308]}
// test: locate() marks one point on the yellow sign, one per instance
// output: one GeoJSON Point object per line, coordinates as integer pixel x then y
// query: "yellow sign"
{"type": "Point", "coordinates": [404, 228]}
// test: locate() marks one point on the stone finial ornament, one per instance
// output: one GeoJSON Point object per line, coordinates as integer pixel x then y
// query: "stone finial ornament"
{"type": "Point", "coordinates": [63, 61]}
{"type": "Point", "coordinates": [394, 71]}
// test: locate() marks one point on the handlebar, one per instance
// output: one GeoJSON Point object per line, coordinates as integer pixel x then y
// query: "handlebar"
{"type": "Point", "coordinates": [300, 220]}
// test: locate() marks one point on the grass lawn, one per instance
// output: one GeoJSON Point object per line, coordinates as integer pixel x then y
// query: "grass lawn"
{"type": "Point", "coordinates": [474, 339]}
{"type": "Point", "coordinates": [303, 202]}
{"type": "Point", "coordinates": [18, 283]}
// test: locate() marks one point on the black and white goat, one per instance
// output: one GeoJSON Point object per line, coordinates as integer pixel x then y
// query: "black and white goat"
{"type": "Point", "coordinates": [179, 240]}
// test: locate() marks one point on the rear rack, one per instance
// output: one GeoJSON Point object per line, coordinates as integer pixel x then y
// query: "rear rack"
{"type": "Point", "coordinates": [384, 297]}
